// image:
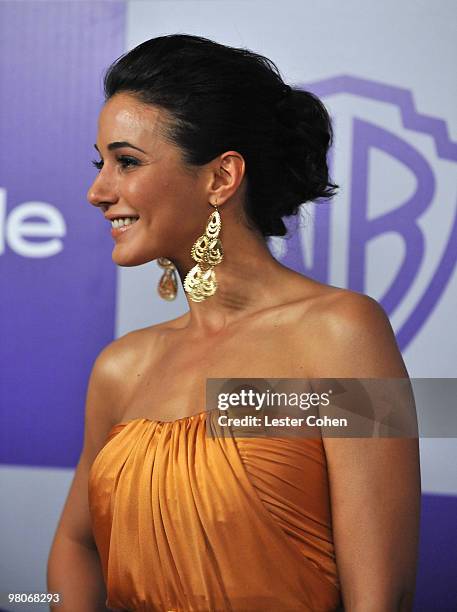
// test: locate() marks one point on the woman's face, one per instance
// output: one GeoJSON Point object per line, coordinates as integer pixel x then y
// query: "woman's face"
{"type": "Point", "coordinates": [152, 184]}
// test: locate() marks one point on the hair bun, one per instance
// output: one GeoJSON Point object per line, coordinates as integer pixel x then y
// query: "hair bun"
{"type": "Point", "coordinates": [303, 135]}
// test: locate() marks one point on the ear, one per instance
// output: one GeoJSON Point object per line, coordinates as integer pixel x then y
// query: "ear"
{"type": "Point", "coordinates": [228, 171]}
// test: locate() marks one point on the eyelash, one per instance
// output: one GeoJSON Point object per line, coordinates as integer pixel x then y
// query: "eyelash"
{"type": "Point", "coordinates": [125, 161]}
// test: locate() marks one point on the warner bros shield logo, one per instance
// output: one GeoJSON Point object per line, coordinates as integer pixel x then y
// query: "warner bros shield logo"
{"type": "Point", "coordinates": [391, 232]}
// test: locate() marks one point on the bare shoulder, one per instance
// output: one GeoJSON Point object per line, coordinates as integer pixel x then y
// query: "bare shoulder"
{"type": "Point", "coordinates": [127, 348]}
{"type": "Point", "coordinates": [339, 307]}
{"type": "Point", "coordinates": [123, 350]}
{"type": "Point", "coordinates": [356, 338]}
{"type": "Point", "coordinates": [116, 364]}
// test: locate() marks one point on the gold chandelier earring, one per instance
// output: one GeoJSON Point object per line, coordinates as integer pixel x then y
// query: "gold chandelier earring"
{"type": "Point", "coordinates": [200, 282]}
{"type": "Point", "coordinates": [168, 283]}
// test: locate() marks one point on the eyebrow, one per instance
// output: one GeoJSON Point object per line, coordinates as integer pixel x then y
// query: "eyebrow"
{"type": "Point", "coordinates": [118, 145]}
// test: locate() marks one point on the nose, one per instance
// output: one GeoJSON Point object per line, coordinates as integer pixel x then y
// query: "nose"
{"type": "Point", "coordinates": [100, 193]}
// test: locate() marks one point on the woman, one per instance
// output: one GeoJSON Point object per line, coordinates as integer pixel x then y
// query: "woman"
{"type": "Point", "coordinates": [204, 150]}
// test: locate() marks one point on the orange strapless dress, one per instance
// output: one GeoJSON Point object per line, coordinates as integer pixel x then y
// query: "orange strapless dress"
{"type": "Point", "coordinates": [187, 516]}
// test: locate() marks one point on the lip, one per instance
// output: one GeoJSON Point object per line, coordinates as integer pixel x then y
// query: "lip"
{"type": "Point", "coordinates": [117, 231]}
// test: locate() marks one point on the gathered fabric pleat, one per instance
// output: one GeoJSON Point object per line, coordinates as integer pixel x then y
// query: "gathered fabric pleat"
{"type": "Point", "coordinates": [188, 517]}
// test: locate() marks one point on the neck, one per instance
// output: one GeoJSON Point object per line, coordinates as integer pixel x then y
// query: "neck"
{"type": "Point", "coordinates": [248, 278]}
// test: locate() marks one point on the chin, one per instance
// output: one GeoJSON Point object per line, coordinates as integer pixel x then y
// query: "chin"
{"type": "Point", "coordinates": [128, 260]}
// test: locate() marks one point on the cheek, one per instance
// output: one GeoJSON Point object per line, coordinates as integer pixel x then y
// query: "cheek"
{"type": "Point", "coordinates": [175, 190]}
{"type": "Point", "coordinates": [166, 201]}
{"type": "Point", "coordinates": [151, 192]}
{"type": "Point", "coordinates": [139, 195]}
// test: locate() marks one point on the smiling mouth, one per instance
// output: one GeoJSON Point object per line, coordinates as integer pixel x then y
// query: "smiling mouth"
{"type": "Point", "coordinates": [123, 222]}
{"type": "Point", "coordinates": [121, 229]}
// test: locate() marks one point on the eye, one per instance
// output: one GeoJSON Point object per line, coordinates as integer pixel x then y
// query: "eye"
{"type": "Point", "coordinates": [123, 159]}
{"type": "Point", "coordinates": [127, 161]}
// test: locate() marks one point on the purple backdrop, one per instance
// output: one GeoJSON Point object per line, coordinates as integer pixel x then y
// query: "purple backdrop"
{"type": "Point", "coordinates": [58, 292]}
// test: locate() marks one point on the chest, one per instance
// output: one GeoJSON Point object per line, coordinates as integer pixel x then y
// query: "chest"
{"type": "Point", "coordinates": [170, 380]}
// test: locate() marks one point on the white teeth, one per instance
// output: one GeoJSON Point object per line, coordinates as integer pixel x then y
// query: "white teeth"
{"type": "Point", "coordinates": [125, 221]}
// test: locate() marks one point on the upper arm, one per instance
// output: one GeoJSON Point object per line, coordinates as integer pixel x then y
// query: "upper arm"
{"type": "Point", "coordinates": [374, 482]}
{"type": "Point", "coordinates": [101, 413]}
